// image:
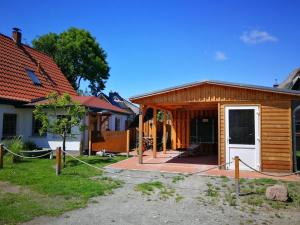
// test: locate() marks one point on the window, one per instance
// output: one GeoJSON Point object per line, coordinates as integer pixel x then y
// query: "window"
{"type": "Point", "coordinates": [117, 124]}
{"type": "Point", "coordinates": [9, 125]}
{"type": "Point", "coordinates": [36, 126]}
{"type": "Point", "coordinates": [69, 118]}
{"type": "Point", "coordinates": [33, 77]}
{"type": "Point", "coordinates": [241, 126]}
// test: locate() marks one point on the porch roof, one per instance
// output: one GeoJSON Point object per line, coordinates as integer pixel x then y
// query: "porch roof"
{"type": "Point", "coordinates": [219, 83]}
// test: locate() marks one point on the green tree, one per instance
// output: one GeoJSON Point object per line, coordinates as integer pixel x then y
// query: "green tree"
{"type": "Point", "coordinates": [78, 55]}
{"type": "Point", "coordinates": [58, 115]}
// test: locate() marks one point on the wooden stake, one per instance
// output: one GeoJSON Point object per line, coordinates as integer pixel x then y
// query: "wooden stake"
{"type": "Point", "coordinates": [127, 142]}
{"type": "Point", "coordinates": [1, 155]}
{"type": "Point", "coordinates": [58, 161]}
{"type": "Point", "coordinates": [237, 175]}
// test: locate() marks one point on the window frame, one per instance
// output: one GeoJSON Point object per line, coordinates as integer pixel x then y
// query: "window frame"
{"type": "Point", "coordinates": [4, 136]}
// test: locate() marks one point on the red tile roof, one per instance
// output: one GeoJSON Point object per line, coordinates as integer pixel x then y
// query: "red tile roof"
{"type": "Point", "coordinates": [88, 101]}
{"type": "Point", "coordinates": [16, 84]}
{"type": "Point", "coordinates": [94, 102]}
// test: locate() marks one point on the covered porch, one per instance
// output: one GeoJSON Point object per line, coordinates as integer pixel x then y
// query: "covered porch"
{"type": "Point", "coordinates": [191, 132]}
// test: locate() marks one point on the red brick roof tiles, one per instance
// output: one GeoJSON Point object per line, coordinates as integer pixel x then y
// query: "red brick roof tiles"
{"type": "Point", "coordinates": [15, 84]}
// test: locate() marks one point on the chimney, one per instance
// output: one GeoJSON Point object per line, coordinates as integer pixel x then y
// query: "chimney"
{"type": "Point", "coordinates": [17, 35]}
{"type": "Point", "coordinates": [275, 85]}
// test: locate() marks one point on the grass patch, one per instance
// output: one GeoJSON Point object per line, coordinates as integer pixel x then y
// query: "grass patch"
{"type": "Point", "coordinates": [212, 191]}
{"type": "Point", "coordinates": [149, 188]}
{"type": "Point", "coordinates": [50, 194]}
{"type": "Point", "coordinates": [177, 179]}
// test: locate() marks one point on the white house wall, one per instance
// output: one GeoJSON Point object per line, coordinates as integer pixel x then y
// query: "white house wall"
{"type": "Point", "coordinates": [24, 129]}
{"type": "Point", "coordinates": [112, 120]}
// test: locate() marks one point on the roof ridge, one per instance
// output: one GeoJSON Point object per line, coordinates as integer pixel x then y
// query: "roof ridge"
{"type": "Point", "coordinates": [26, 45]}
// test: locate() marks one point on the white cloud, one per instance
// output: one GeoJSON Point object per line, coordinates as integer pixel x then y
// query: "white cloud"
{"type": "Point", "coordinates": [257, 36]}
{"type": "Point", "coordinates": [220, 56]}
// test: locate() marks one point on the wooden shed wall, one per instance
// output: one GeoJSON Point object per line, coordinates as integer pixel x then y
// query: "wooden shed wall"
{"type": "Point", "coordinates": [275, 109]}
{"type": "Point", "coordinates": [275, 133]}
{"type": "Point", "coordinates": [209, 93]}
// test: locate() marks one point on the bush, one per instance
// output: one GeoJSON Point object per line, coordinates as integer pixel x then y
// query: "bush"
{"type": "Point", "coordinates": [15, 145]}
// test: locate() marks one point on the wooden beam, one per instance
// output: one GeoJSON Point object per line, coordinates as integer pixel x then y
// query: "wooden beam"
{"type": "Point", "coordinates": [165, 132]}
{"type": "Point", "coordinates": [141, 135]}
{"type": "Point", "coordinates": [154, 126]}
{"type": "Point", "coordinates": [174, 131]}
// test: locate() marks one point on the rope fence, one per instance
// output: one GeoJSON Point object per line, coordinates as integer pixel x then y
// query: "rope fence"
{"type": "Point", "coordinates": [59, 152]}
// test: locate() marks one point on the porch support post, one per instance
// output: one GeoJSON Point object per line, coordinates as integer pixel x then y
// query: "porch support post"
{"type": "Point", "coordinates": [173, 130]}
{"type": "Point", "coordinates": [141, 135]}
{"type": "Point", "coordinates": [154, 131]}
{"type": "Point", "coordinates": [165, 132]}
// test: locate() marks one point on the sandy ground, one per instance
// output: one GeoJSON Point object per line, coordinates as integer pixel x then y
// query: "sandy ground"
{"type": "Point", "coordinates": [127, 206]}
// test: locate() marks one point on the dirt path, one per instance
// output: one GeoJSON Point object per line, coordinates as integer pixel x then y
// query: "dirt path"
{"type": "Point", "coordinates": [187, 204]}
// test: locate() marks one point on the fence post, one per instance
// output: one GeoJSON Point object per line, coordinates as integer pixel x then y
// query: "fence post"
{"type": "Point", "coordinates": [128, 142]}
{"type": "Point", "coordinates": [1, 155]}
{"type": "Point", "coordinates": [58, 160]}
{"type": "Point", "coordinates": [237, 175]}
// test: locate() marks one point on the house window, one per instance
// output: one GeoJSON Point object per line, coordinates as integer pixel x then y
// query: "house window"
{"type": "Point", "coordinates": [33, 77]}
{"type": "Point", "coordinates": [203, 130]}
{"type": "Point", "coordinates": [9, 125]}
{"type": "Point", "coordinates": [36, 126]}
{"type": "Point", "coordinates": [69, 118]}
{"type": "Point", "coordinates": [117, 124]}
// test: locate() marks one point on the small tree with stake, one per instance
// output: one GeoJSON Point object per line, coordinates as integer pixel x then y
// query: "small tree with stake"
{"type": "Point", "coordinates": [58, 115]}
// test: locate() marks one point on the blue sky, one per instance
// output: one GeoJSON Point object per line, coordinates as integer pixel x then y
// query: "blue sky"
{"type": "Point", "coordinates": [158, 43]}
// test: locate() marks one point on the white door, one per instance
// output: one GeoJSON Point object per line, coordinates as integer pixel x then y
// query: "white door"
{"type": "Point", "coordinates": [242, 135]}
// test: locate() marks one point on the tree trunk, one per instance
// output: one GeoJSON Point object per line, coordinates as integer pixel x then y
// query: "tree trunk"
{"type": "Point", "coordinates": [64, 149]}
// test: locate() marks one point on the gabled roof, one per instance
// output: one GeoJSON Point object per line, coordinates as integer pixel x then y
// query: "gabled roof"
{"type": "Point", "coordinates": [87, 101]}
{"type": "Point", "coordinates": [16, 84]}
{"type": "Point", "coordinates": [220, 83]}
{"type": "Point", "coordinates": [117, 100]}
{"type": "Point", "coordinates": [95, 102]}
{"type": "Point", "coordinates": [291, 80]}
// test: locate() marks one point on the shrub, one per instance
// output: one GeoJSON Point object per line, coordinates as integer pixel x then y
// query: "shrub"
{"type": "Point", "coordinates": [16, 146]}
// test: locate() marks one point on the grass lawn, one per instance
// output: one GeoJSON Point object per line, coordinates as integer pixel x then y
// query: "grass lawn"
{"type": "Point", "coordinates": [44, 193]}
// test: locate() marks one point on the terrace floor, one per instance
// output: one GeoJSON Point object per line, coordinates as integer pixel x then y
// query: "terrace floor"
{"type": "Point", "coordinates": [173, 163]}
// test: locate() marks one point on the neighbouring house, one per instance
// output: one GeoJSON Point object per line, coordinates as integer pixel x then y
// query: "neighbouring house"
{"type": "Point", "coordinates": [26, 77]}
{"type": "Point", "coordinates": [116, 99]}
{"type": "Point", "coordinates": [292, 82]}
{"type": "Point", "coordinates": [226, 120]}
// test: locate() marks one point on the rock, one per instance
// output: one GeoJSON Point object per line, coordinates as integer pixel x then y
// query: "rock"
{"type": "Point", "coordinates": [277, 193]}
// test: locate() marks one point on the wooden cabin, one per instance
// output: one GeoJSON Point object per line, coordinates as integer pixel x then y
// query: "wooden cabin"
{"type": "Point", "coordinates": [228, 119]}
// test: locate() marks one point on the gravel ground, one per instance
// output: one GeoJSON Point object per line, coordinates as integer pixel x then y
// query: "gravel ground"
{"type": "Point", "coordinates": [188, 205]}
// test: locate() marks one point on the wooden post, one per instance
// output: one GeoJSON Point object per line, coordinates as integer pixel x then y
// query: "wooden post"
{"type": "Point", "coordinates": [154, 128]}
{"type": "Point", "coordinates": [173, 132]}
{"type": "Point", "coordinates": [58, 160]}
{"type": "Point", "coordinates": [1, 155]}
{"type": "Point", "coordinates": [165, 132]}
{"type": "Point", "coordinates": [237, 175]}
{"type": "Point", "coordinates": [127, 142]}
{"type": "Point", "coordinates": [141, 137]}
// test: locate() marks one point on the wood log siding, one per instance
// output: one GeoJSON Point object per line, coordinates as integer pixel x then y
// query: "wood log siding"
{"type": "Point", "coordinates": [275, 109]}
{"type": "Point", "coordinates": [276, 135]}
{"type": "Point", "coordinates": [210, 93]}
{"type": "Point", "coordinates": [183, 119]}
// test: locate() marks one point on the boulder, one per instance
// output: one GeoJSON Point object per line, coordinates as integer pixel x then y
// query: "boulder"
{"type": "Point", "coordinates": [277, 193]}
